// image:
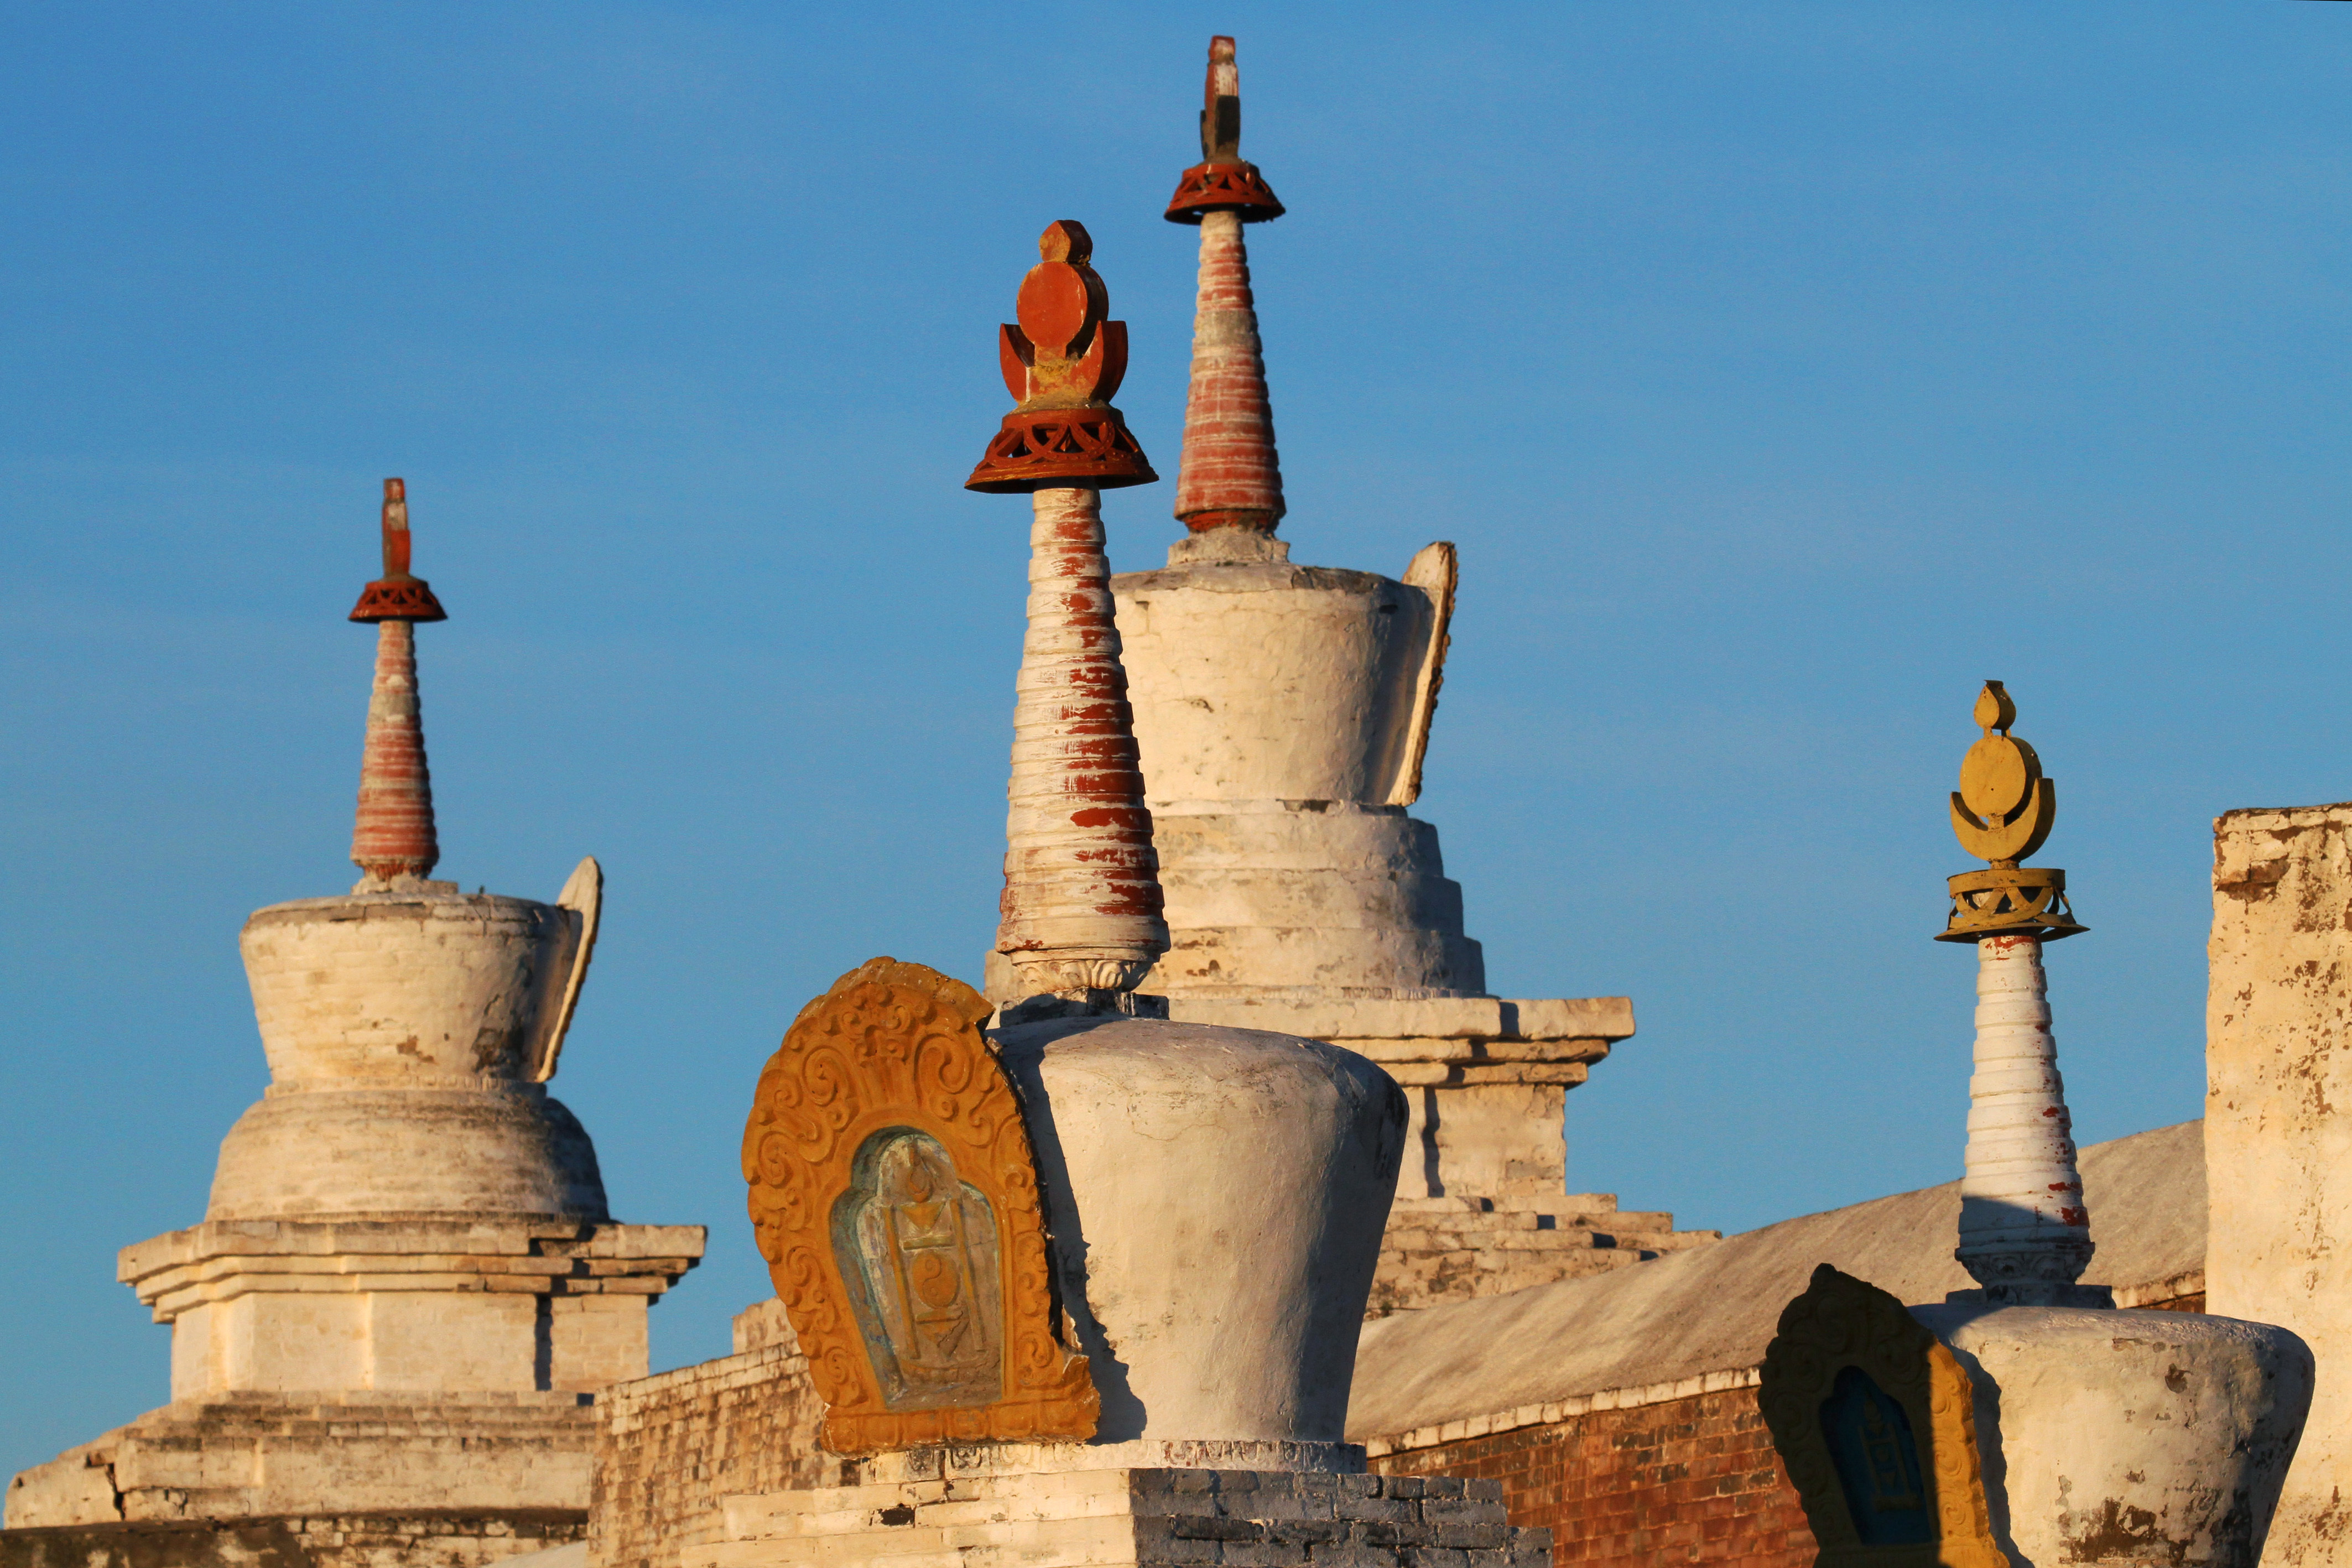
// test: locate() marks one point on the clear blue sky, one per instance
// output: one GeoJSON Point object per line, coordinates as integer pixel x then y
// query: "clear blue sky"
{"type": "Point", "coordinates": [1781, 370]}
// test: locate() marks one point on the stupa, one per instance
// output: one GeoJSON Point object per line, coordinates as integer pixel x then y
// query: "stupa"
{"type": "Point", "coordinates": [1086, 1290]}
{"type": "Point", "coordinates": [2027, 1420]}
{"type": "Point", "coordinates": [1282, 713]}
{"type": "Point", "coordinates": [389, 1328]}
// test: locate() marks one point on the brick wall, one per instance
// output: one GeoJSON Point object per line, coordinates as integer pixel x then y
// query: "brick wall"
{"type": "Point", "coordinates": [1693, 1480]}
{"type": "Point", "coordinates": [668, 1447]}
{"type": "Point", "coordinates": [1667, 1474]}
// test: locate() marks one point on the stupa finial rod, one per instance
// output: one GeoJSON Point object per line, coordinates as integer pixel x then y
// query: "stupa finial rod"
{"type": "Point", "coordinates": [2025, 1230]}
{"type": "Point", "coordinates": [392, 833]}
{"type": "Point", "coordinates": [1080, 915]}
{"type": "Point", "coordinates": [1229, 475]}
{"type": "Point", "coordinates": [1222, 181]}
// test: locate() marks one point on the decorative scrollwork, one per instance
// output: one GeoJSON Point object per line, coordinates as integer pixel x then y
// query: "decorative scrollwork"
{"type": "Point", "coordinates": [1841, 1326]}
{"type": "Point", "coordinates": [1062, 973]}
{"type": "Point", "coordinates": [895, 1196]}
{"type": "Point", "coordinates": [390, 600]}
{"type": "Point", "coordinates": [2010, 901]}
{"type": "Point", "coordinates": [1215, 187]}
{"type": "Point", "coordinates": [1089, 448]}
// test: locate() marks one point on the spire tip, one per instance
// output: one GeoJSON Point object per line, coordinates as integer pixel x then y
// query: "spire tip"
{"type": "Point", "coordinates": [397, 595]}
{"type": "Point", "coordinates": [1222, 181]}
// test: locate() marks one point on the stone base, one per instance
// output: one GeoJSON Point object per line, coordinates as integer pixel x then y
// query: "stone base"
{"type": "Point", "coordinates": [1327, 895]}
{"type": "Point", "coordinates": [1485, 1078]}
{"type": "Point", "coordinates": [423, 1538]}
{"type": "Point", "coordinates": [257, 1456]}
{"type": "Point", "coordinates": [2040, 1295]}
{"type": "Point", "coordinates": [954, 1508]}
{"type": "Point", "coordinates": [407, 1306]}
{"type": "Point", "coordinates": [2140, 1437]}
{"type": "Point", "coordinates": [1226, 546]}
{"type": "Point", "coordinates": [1441, 1250]}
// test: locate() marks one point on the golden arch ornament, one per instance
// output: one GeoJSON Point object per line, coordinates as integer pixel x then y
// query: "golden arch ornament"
{"type": "Point", "coordinates": [1874, 1419]}
{"type": "Point", "coordinates": [894, 1195]}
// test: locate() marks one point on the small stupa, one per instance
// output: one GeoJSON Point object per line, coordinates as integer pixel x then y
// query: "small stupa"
{"type": "Point", "coordinates": [407, 1287]}
{"type": "Point", "coordinates": [1282, 716]}
{"type": "Point", "coordinates": [2027, 1420]}
{"type": "Point", "coordinates": [1083, 1289]}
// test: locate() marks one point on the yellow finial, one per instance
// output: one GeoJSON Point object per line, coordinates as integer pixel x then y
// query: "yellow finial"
{"type": "Point", "coordinates": [2004, 808]}
{"type": "Point", "coordinates": [2002, 813]}
{"type": "Point", "coordinates": [1994, 710]}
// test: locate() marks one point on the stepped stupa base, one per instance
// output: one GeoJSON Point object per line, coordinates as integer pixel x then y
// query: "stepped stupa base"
{"type": "Point", "coordinates": [349, 1478]}
{"type": "Point", "coordinates": [418, 1537]}
{"type": "Point", "coordinates": [1482, 1207]}
{"type": "Point", "coordinates": [1441, 1250]}
{"type": "Point", "coordinates": [1129, 1505]}
{"type": "Point", "coordinates": [1486, 1078]}
{"type": "Point", "coordinates": [410, 1304]}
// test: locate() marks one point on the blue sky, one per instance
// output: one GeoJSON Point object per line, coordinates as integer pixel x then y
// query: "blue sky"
{"type": "Point", "coordinates": [1782, 371]}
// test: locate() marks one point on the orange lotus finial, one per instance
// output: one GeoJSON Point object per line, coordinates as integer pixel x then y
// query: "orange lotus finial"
{"type": "Point", "coordinates": [1062, 365]}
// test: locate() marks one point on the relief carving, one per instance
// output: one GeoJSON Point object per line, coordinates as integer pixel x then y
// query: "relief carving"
{"type": "Point", "coordinates": [895, 1196]}
{"type": "Point", "coordinates": [917, 1247]}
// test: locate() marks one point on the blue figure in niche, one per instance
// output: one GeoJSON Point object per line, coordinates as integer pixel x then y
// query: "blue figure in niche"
{"type": "Point", "coordinates": [918, 1249]}
{"type": "Point", "coordinates": [1877, 1459]}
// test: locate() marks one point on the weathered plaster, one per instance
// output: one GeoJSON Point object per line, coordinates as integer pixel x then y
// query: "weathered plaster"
{"type": "Point", "coordinates": [2129, 1437]}
{"type": "Point", "coordinates": [1217, 1197]}
{"type": "Point", "coordinates": [2278, 1090]}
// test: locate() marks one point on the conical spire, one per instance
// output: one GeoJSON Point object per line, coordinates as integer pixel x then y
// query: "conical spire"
{"type": "Point", "coordinates": [392, 836]}
{"type": "Point", "coordinates": [1229, 477]}
{"type": "Point", "coordinates": [1081, 911]}
{"type": "Point", "coordinates": [2025, 1227]}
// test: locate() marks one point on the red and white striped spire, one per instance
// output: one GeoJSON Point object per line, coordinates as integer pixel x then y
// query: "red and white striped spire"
{"type": "Point", "coordinates": [1081, 916]}
{"type": "Point", "coordinates": [393, 835]}
{"type": "Point", "coordinates": [1229, 475]}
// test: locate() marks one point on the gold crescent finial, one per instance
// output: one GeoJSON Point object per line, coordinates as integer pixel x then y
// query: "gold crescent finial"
{"type": "Point", "coordinates": [2002, 813]}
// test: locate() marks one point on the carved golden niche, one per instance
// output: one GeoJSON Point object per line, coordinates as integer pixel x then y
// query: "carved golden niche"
{"type": "Point", "coordinates": [1875, 1421]}
{"type": "Point", "coordinates": [894, 1195]}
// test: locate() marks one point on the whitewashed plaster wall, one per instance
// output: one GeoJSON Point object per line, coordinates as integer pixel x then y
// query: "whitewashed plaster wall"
{"type": "Point", "coordinates": [2278, 1128]}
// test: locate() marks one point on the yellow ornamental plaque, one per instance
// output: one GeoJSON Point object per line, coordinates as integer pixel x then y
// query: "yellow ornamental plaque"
{"type": "Point", "coordinates": [895, 1196]}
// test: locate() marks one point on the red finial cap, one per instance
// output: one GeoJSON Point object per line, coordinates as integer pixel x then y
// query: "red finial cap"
{"type": "Point", "coordinates": [1222, 181]}
{"type": "Point", "coordinates": [397, 596]}
{"type": "Point", "coordinates": [1062, 365]}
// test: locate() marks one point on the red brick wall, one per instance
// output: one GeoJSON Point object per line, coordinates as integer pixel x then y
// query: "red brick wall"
{"type": "Point", "coordinates": [1689, 1480]}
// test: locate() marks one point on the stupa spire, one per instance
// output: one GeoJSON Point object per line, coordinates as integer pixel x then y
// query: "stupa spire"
{"type": "Point", "coordinates": [1229, 475]}
{"type": "Point", "coordinates": [393, 835]}
{"type": "Point", "coordinates": [1081, 910]}
{"type": "Point", "coordinates": [2025, 1230]}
